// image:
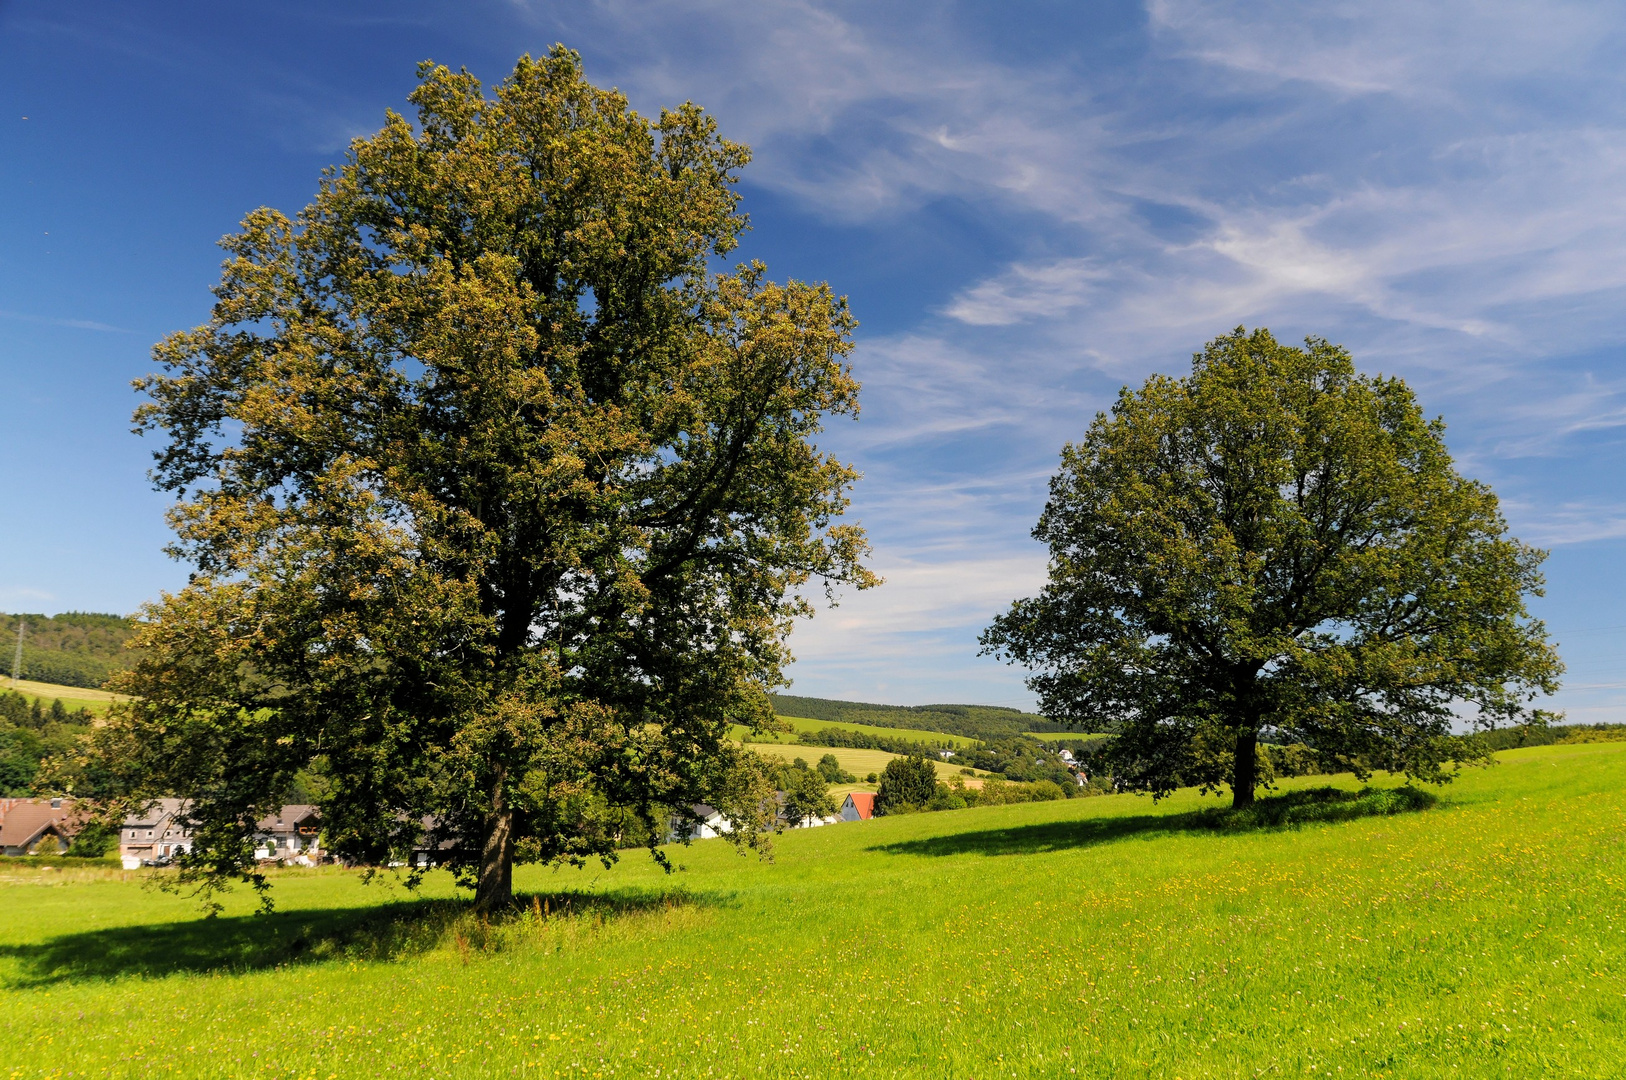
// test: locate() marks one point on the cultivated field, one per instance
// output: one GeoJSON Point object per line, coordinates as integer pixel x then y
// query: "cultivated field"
{"type": "Point", "coordinates": [802, 723]}
{"type": "Point", "coordinates": [858, 762]}
{"type": "Point", "coordinates": [73, 697]}
{"type": "Point", "coordinates": [1101, 937]}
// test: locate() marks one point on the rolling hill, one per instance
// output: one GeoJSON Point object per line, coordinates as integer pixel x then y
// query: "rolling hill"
{"type": "Point", "coordinates": [1102, 937]}
{"type": "Point", "coordinates": [74, 649]}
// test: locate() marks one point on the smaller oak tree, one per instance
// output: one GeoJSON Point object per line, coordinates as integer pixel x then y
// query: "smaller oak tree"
{"type": "Point", "coordinates": [906, 782]}
{"type": "Point", "coordinates": [1276, 545]}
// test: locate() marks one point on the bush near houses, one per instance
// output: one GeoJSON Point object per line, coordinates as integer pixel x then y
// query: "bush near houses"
{"type": "Point", "coordinates": [30, 732]}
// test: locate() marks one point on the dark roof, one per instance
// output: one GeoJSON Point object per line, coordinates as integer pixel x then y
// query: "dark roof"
{"type": "Point", "coordinates": [288, 817]}
{"type": "Point", "coordinates": [155, 815]}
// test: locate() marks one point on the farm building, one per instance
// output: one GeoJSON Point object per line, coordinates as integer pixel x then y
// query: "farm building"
{"type": "Point", "coordinates": [158, 833]}
{"type": "Point", "coordinates": [858, 806]}
{"type": "Point", "coordinates": [292, 834]}
{"type": "Point", "coordinates": [710, 823]}
{"type": "Point", "coordinates": [37, 826]}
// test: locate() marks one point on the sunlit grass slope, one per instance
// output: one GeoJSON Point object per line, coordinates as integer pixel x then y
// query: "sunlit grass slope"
{"type": "Point", "coordinates": [799, 724]}
{"type": "Point", "coordinates": [930, 738]}
{"type": "Point", "coordinates": [73, 697]}
{"type": "Point", "coordinates": [858, 762]}
{"type": "Point", "coordinates": [1100, 937]}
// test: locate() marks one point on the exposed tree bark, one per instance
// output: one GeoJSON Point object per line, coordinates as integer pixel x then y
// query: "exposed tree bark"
{"type": "Point", "coordinates": [495, 887]}
{"type": "Point", "coordinates": [1246, 772]}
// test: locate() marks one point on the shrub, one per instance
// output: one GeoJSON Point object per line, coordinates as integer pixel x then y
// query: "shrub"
{"type": "Point", "coordinates": [829, 768]}
{"type": "Point", "coordinates": [906, 781]}
{"type": "Point", "coordinates": [93, 841]}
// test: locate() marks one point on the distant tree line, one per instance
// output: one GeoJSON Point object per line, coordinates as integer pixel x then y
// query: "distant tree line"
{"type": "Point", "coordinates": [971, 721]}
{"type": "Point", "coordinates": [1511, 738]}
{"type": "Point", "coordinates": [74, 649]}
{"type": "Point", "coordinates": [864, 740]}
{"type": "Point", "coordinates": [910, 785]}
{"type": "Point", "coordinates": [30, 733]}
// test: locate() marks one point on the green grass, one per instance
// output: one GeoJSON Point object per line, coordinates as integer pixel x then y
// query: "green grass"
{"type": "Point", "coordinates": [73, 697]}
{"type": "Point", "coordinates": [858, 762]}
{"type": "Point", "coordinates": [1482, 936]}
{"type": "Point", "coordinates": [802, 723]}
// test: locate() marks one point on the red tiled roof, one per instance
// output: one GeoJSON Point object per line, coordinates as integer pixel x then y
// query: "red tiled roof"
{"type": "Point", "coordinates": [863, 802]}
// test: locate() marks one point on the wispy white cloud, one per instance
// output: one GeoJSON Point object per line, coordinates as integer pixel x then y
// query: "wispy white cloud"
{"type": "Point", "coordinates": [70, 324]}
{"type": "Point", "coordinates": [1387, 46]}
{"type": "Point", "coordinates": [880, 644]}
{"type": "Point", "coordinates": [1578, 522]}
{"type": "Point", "coordinates": [16, 597]}
{"type": "Point", "coordinates": [1438, 187]}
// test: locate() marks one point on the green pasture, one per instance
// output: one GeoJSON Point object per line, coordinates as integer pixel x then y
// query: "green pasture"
{"type": "Point", "coordinates": [802, 723]}
{"type": "Point", "coordinates": [858, 762]}
{"type": "Point", "coordinates": [73, 697]}
{"type": "Point", "coordinates": [1100, 937]}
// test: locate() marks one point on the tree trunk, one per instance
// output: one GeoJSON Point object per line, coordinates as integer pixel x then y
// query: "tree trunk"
{"type": "Point", "coordinates": [1246, 773]}
{"type": "Point", "coordinates": [495, 887]}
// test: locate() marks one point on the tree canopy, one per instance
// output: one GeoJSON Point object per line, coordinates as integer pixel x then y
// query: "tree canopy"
{"type": "Point", "coordinates": [906, 782]}
{"type": "Point", "coordinates": [500, 502]}
{"type": "Point", "coordinates": [1277, 545]}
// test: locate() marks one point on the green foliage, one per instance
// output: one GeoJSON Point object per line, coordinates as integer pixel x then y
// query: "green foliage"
{"type": "Point", "coordinates": [833, 773]}
{"type": "Point", "coordinates": [863, 740]}
{"type": "Point", "coordinates": [907, 783]}
{"type": "Point", "coordinates": [805, 791]}
{"type": "Point", "coordinates": [29, 735]}
{"type": "Point", "coordinates": [1023, 759]}
{"type": "Point", "coordinates": [973, 721]}
{"type": "Point", "coordinates": [72, 649]}
{"type": "Point", "coordinates": [1549, 734]}
{"type": "Point", "coordinates": [1276, 545]}
{"type": "Point", "coordinates": [497, 498]}
{"type": "Point", "coordinates": [1005, 792]}
{"type": "Point", "coordinates": [93, 840]}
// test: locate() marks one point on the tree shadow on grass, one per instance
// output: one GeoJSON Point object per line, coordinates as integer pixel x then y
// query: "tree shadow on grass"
{"type": "Point", "coordinates": [1288, 811]}
{"type": "Point", "coordinates": [375, 933]}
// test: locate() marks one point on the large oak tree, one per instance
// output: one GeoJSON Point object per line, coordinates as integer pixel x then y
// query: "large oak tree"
{"type": "Point", "coordinates": [1276, 545]}
{"type": "Point", "coordinates": [500, 503]}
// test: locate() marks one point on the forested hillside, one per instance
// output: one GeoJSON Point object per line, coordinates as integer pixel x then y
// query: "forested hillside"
{"type": "Point", "coordinates": [975, 721]}
{"type": "Point", "coordinates": [73, 649]}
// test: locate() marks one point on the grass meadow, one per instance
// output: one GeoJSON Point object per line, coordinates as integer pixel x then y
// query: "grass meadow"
{"type": "Point", "coordinates": [1101, 937]}
{"type": "Point", "coordinates": [858, 762]}
{"type": "Point", "coordinates": [73, 697]}
{"type": "Point", "coordinates": [800, 724]}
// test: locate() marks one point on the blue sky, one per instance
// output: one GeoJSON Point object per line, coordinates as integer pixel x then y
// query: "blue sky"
{"type": "Point", "coordinates": [1029, 205]}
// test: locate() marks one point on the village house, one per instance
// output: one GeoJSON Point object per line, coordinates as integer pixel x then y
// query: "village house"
{"type": "Point", "coordinates": [712, 823]}
{"type": "Point", "coordinates": [156, 835]}
{"type": "Point", "coordinates": [858, 806]}
{"type": "Point", "coordinates": [292, 835]}
{"type": "Point", "coordinates": [37, 826]}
